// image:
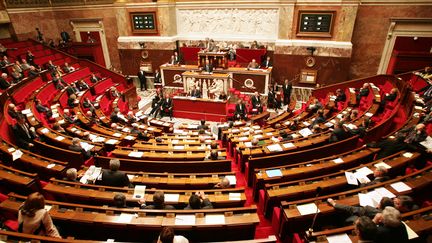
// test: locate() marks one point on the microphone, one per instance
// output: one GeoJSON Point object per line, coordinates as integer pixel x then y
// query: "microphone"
{"type": "Point", "coordinates": [317, 193]}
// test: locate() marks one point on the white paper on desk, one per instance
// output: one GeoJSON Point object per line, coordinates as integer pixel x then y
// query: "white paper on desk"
{"type": "Point", "coordinates": [341, 238]}
{"type": "Point", "coordinates": [125, 218]}
{"type": "Point", "coordinates": [329, 124]}
{"type": "Point", "coordinates": [295, 135]}
{"type": "Point", "coordinates": [59, 138]}
{"type": "Point", "coordinates": [365, 171]}
{"type": "Point", "coordinates": [232, 179]}
{"type": "Point", "coordinates": [273, 173]}
{"type": "Point", "coordinates": [179, 147]}
{"type": "Point", "coordinates": [116, 135]}
{"type": "Point", "coordinates": [44, 130]}
{"type": "Point", "coordinates": [130, 176]}
{"type": "Point", "coordinates": [139, 191]}
{"type": "Point", "coordinates": [258, 136]}
{"type": "Point", "coordinates": [234, 196]}
{"type": "Point", "coordinates": [184, 219]}
{"type": "Point", "coordinates": [98, 139]}
{"type": "Point", "coordinates": [351, 126]}
{"type": "Point", "coordinates": [172, 197]}
{"type": "Point", "coordinates": [136, 154]}
{"type": "Point", "coordinates": [306, 123]}
{"type": "Point", "coordinates": [50, 166]}
{"type": "Point", "coordinates": [243, 138]}
{"type": "Point", "coordinates": [111, 141]}
{"type": "Point", "coordinates": [411, 233]}
{"type": "Point", "coordinates": [361, 178]}
{"type": "Point", "coordinates": [427, 143]}
{"type": "Point", "coordinates": [375, 197]}
{"type": "Point", "coordinates": [368, 114]}
{"type": "Point", "coordinates": [215, 219]}
{"type": "Point", "coordinates": [92, 136]}
{"type": "Point", "coordinates": [10, 150]}
{"type": "Point", "coordinates": [351, 179]}
{"type": "Point", "coordinates": [235, 130]}
{"type": "Point", "coordinates": [365, 200]}
{"type": "Point", "coordinates": [288, 145]}
{"type": "Point", "coordinates": [175, 141]}
{"type": "Point", "coordinates": [129, 137]}
{"type": "Point", "coordinates": [338, 161]}
{"type": "Point", "coordinates": [192, 126]}
{"type": "Point", "coordinates": [248, 144]}
{"type": "Point", "coordinates": [383, 164]}
{"type": "Point", "coordinates": [150, 128]}
{"type": "Point", "coordinates": [384, 192]}
{"type": "Point", "coordinates": [86, 146]}
{"type": "Point", "coordinates": [274, 147]}
{"type": "Point", "coordinates": [125, 129]}
{"type": "Point", "coordinates": [305, 132]}
{"type": "Point", "coordinates": [400, 186]}
{"type": "Point", "coordinates": [26, 111]}
{"type": "Point", "coordinates": [269, 134]}
{"type": "Point", "coordinates": [306, 209]}
{"type": "Point", "coordinates": [16, 155]}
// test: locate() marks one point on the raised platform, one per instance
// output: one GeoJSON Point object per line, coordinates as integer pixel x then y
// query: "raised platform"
{"type": "Point", "coordinates": [200, 109]}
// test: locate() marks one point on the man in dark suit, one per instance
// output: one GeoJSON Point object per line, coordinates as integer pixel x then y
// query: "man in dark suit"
{"type": "Point", "coordinates": [4, 84]}
{"type": "Point", "coordinates": [363, 92]}
{"type": "Point", "coordinates": [390, 228]}
{"type": "Point", "coordinates": [166, 107]}
{"type": "Point", "coordinates": [240, 111]}
{"type": "Point", "coordinates": [65, 36]}
{"type": "Point", "coordinates": [142, 79]}
{"type": "Point", "coordinates": [114, 177]}
{"type": "Point", "coordinates": [71, 89]}
{"type": "Point", "coordinates": [33, 72]}
{"type": "Point", "coordinates": [199, 201]}
{"type": "Point", "coordinates": [207, 67]}
{"type": "Point", "coordinates": [267, 63]}
{"type": "Point", "coordinates": [158, 202]}
{"type": "Point", "coordinates": [30, 58]}
{"type": "Point", "coordinates": [340, 96]}
{"type": "Point", "coordinates": [339, 133]}
{"type": "Point", "coordinates": [76, 146]}
{"type": "Point", "coordinates": [23, 134]}
{"type": "Point", "coordinates": [43, 109]}
{"type": "Point", "coordinates": [14, 112]}
{"type": "Point", "coordinates": [390, 146]}
{"type": "Point", "coordinates": [157, 77]}
{"type": "Point", "coordinates": [94, 79]}
{"type": "Point", "coordinates": [287, 89]}
{"type": "Point", "coordinates": [256, 103]}
{"type": "Point", "coordinates": [177, 58]}
{"type": "Point", "coordinates": [195, 93]}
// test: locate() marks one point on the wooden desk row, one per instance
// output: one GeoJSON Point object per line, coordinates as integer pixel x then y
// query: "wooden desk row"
{"type": "Point", "coordinates": [132, 224]}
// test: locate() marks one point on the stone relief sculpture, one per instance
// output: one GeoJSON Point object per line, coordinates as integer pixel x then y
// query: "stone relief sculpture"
{"type": "Point", "coordinates": [216, 87]}
{"type": "Point", "coordinates": [246, 22]}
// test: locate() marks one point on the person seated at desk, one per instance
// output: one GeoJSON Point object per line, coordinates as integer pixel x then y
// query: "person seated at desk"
{"type": "Point", "coordinates": [156, 104]}
{"type": "Point", "coordinates": [379, 175]}
{"type": "Point", "coordinates": [391, 146]}
{"type": "Point", "coordinates": [214, 155]}
{"type": "Point", "coordinates": [363, 92]}
{"type": "Point", "coordinates": [224, 183]}
{"type": "Point", "coordinates": [256, 103]}
{"type": "Point", "coordinates": [315, 106]}
{"type": "Point", "coordinates": [166, 106]}
{"type": "Point", "coordinates": [211, 46]}
{"type": "Point", "coordinates": [207, 67]}
{"type": "Point", "coordinates": [119, 200]}
{"type": "Point", "coordinates": [76, 146]}
{"type": "Point", "coordinates": [267, 63]}
{"type": "Point", "coordinates": [415, 134]}
{"type": "Point", "coordinates": [199, 201]}
{"type": "Point", "coordinates": [390, 227]}
{"type": "Point", "coordinates": [16, 75]}
{"type": "Point", "coordinates": [114, 93]}
{"type": "Point", "coordinates": [365, 229]}
{"type": "Point", "coordinates": [82, 85]}
{"type": "Point", "coordinates": [158, 202]}
{"type": "Point", "coordinates": [167, 235]}
{"type": "Point", "coordinates": [254, 45]}
{"type": "Point", "coordinates": [94, 79]}
{"type": "Point", "coordinates": [353, 212]}
{"type": "Point", "coordinates": [340, 96]}
{"type": "Point", "coordinates": [130, 117]}
{"type": "Point", "coordinates": [319, 119]}
{"type": "Point", "coordinates": [222, 96]}
{"type": "Point", "coordinates": [58, 82]}
{"type": "Point", "coordinates": [202, 125]}
{"type": "Point", "coordinates": [34, 219]}
{"type": "Point", "coordinates": [240, 111]}
{"type": "Point", "coordinates": [57, 128]}
{"type": "Point", "coordinates": [72, 101]}
{"type": "Point", "coordinates": [114, 177]}
{"type": "Point", "coordinates": [72, 89]}
{"type": "Point", "coordinates": [195, 93]}
{"type": "Point", "coordinates": [339, 133]}
{"type": "Point", "coordinates": [253, 64]}
{"type": "Point", "coordinates": [14, 112]}
{"type": "Point", "coordinates": [177, 58]}
{"type": "Point", "coordinates": [157, 77]}
{"type": "Point", "coordinates": [71, 175]}
{"type": "Point", "coordinates": [69, 117]}
{"type": "Point", "coordinates": [67, 69]}
{"type": "Point", "coordinates": [33, 72]}
{"type": "Point", "coordinates": [23, 134]}
{"type": "Point", "coordinates": [172, 60]}
{"type": "Point", "coordinates": [116, 116]}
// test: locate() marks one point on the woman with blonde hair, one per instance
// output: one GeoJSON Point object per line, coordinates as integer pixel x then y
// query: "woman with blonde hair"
{"type": "Point", "coordinates": [34, 219]}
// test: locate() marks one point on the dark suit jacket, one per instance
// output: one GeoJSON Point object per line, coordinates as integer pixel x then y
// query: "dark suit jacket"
{"type": "Point", "coordinates": [341, 97]}
{"type": "Point", "coordinates": [114, 178]}
{"type": "Point", "coordinates": [94, 79]}
{"type": "Point", "coordinates": [22, 138]}
{"type": "Point", "coordinates": [267, 64]}
{"type": "Point", "coordinates": [208, 68]}
{"type": "Point", "coordinates": [76, 148]}
{"type": "Point", "coordinates": [141, 76]}
{"type": "Point", "coordinates": [166, 207]}
{"type": "Point", "coordinates": [166, 104]}
{"type": "Point", "coordinates": [364, 92]}
{"type": "Point", "coordinates": [256, 102]}
{"type": "Point", "coordinates": [4, 84]}
{"type": "Point", "coordinates": [240, 111]}
{"type": "Point", "coordinates": [205, 204]}
{"type": "Point", "coordinates": [195, 93]}
{"type": "Point", "coordinates": [157, 77]}
{"type": "Point", "coordinates": [287, 89]}
{"type": "Point", "coordinates": [391, 234]}
{"type": "Point", "coordinates": [389, 147]}
{"type": "Point", "coordinates": [339, 134]}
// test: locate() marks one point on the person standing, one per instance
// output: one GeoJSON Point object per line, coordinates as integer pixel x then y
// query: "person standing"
{"type": "Point", "coordinates": [142, 79]}
{"type": "Point", "coordinates": [287, 90]}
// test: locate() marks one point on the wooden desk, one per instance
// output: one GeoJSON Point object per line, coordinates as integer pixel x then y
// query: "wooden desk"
{"type": "Point", "coordinates": [210, 85]}
{"type": "Point", "coordinates": [217, 59]}
{"type": "Point", "coordinates": [200, 109]}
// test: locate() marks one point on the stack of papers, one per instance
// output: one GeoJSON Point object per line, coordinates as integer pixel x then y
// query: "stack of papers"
{"type": "Point", "coordinates": [86, 146]}
{"type": "Point", "coordinates": [111, 141]}
{"type": "Point", "coordinates": [116, 135]}
{"type": "Point", "coordinates": [342, 238]}
{"type": "Point", "coordinates": [351, 179]}
{"type": "Point", "coordinates": [305, 132]}
{"type": "Point", "coordinates": [400, 186]}
{"type": "Point", "coordinates": [382, 164]}
{"type": "Point", "coordinates": [427, 143]}
{"type": "Point", "coordinates": [172, 197]}
{"type": "Point", "coordinates": [44, 130]}
{"type": "Point", "coordinates": [374, 197]}
{"type": "Point", "coordinates": [306, 209]}
{"type": "Point", "coordinates": [125, 218]}
{"type": "Point", "coordinates": [139, 191]}
{"type": "Point", "coordinates": [59, 138]}
{"type": "Point", "coordinates": [16, 155]}
{"type": "Point", "coordinates": [338, 161]}
{"type": "Point", "coordinates": [274, 173]}
{"type": "Point", "coordinates": [362, 173]}
{"type": "Point", "coordinates": [129, 137]}
{"type": "Point", "coordinates": [234, 196]}
{"type": "Point", "coordinates": [288, 145]}
{"type": "Point", "coordinates": [215, 219]}
{"type": "Point", "coordinates": [232, 179]}
{"type": "Point", "coordinates": [274, 148]}
{"type": "Point", "coordinates": [136, 154]}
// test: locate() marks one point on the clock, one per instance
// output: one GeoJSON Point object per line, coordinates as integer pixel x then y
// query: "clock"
{"type": "Point", "coordinates": [310, 61]}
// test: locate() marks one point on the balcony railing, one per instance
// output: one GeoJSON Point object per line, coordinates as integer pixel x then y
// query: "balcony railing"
{"type": "Point", "coordinates": [52, 3]}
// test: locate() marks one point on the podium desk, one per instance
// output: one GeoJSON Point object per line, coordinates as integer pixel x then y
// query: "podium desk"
{"type": "Point", "coordinates": [210, 85]}
{"type": "Point", "coordinates": [199, 109]}
{"type": "Point", "coordinates": [217, 59]}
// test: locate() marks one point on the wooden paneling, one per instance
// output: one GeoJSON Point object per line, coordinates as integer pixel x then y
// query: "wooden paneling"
{"type": "Point", "coordinates": [130, 59]}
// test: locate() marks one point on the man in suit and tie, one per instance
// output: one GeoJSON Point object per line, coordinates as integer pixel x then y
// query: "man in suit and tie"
{"type": "Point", "coordinates": [157, 77]}
{"type": "Point", "coordinates": [240, 111]}
{"type": "Point", "coordinates": [114, 177]}
{"type": "Point", "coordinates": [256, 103]}
{"type": "Point", "coordinates": [287, 90]}
{"type": "Point", "coordinates": [166, 107]}
{"type": "Point", "coordinates": [177, 58]}
{"type": "Point", "coordinates": [195, 92]}
{"type": "Point", "coordinates": [267, 63]}
{"type": "Point", "coordinates": [65, 36]}
{"type": "Point", "coordinates": [207, 67]}
{"type": "Point", "coordinates": [4, 84]}
{"type": "Point", "coordinates": [22, 133]}
{"type": "Point", "coordinates": [142, 79]}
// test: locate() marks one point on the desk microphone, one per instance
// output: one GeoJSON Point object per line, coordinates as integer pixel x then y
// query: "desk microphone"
{"type": "Point", "coordinates": [317, 193]}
